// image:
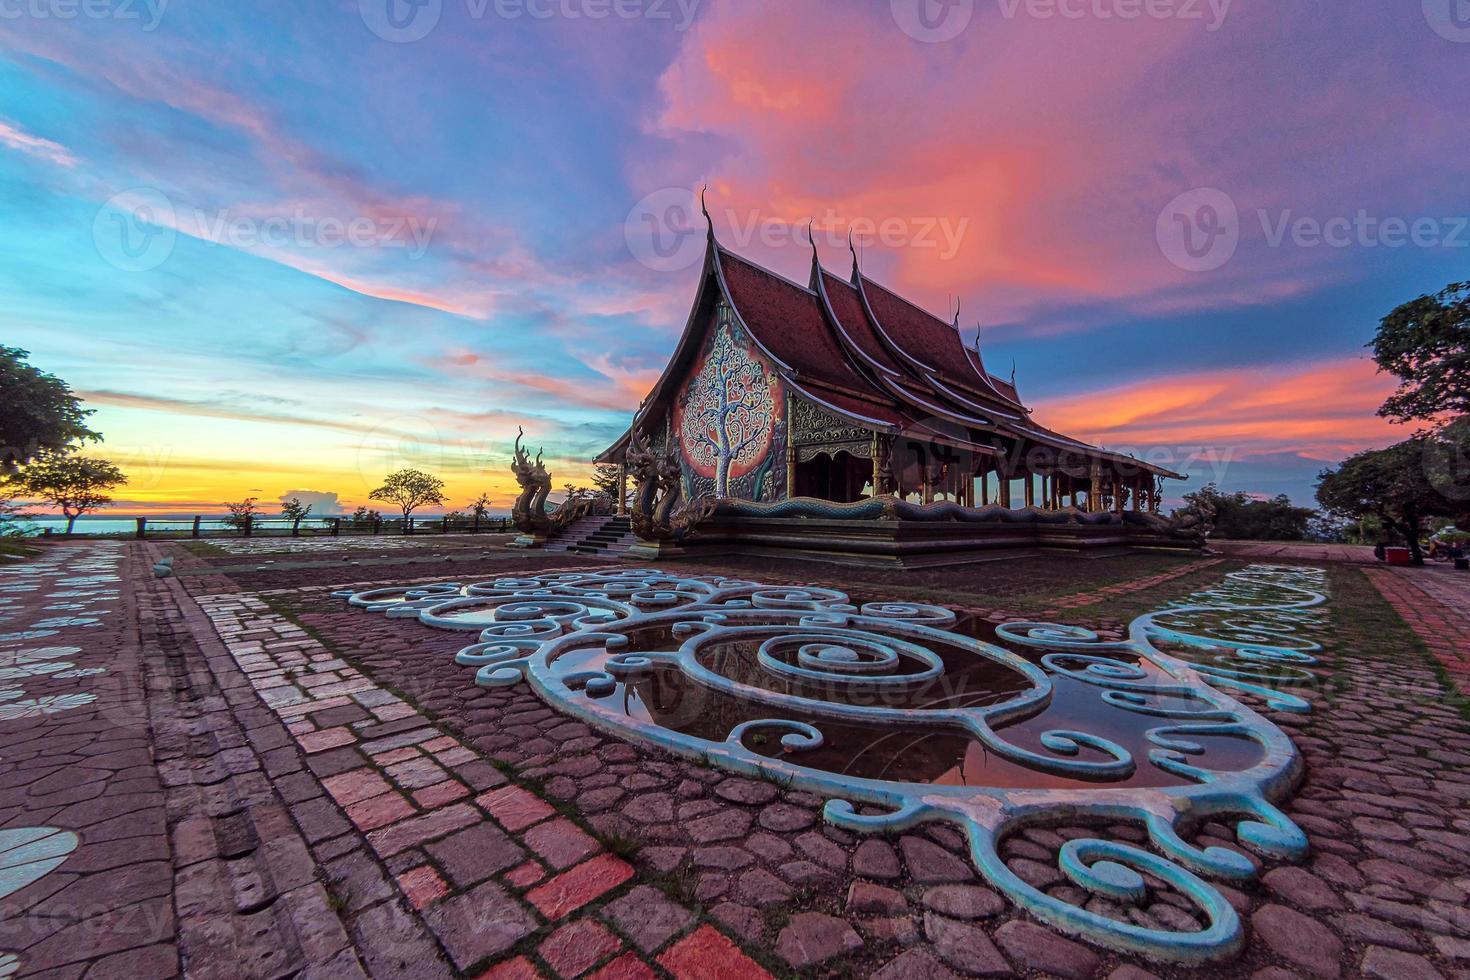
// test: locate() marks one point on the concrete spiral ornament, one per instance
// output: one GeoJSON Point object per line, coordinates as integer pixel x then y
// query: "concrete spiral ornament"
{"type": "Point", "coordinates": [901, 719]}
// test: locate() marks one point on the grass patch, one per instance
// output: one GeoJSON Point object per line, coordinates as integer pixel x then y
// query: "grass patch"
{"type": "Point", "coordinates": [17, 548]}
{"type": "Point", "coordinates": [1366, 626]}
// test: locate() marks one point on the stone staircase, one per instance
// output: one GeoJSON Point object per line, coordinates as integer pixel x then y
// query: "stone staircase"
{"type": "Point", "coordinates": [599, 537]}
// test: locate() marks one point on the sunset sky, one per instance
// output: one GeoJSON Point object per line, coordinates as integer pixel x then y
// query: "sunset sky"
{"type": "Point", "coordinates": [289, 246]}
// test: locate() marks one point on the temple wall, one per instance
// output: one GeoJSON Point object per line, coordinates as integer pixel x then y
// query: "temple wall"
{"type": "Point", "coordinates": [729, 418]}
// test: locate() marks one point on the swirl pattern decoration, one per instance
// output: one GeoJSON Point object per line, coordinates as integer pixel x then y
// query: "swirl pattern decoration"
{"type": "Point", "coordinates": [900, 718]}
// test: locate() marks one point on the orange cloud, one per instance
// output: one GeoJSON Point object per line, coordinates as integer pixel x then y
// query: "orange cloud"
{"type": "Point", "coordinates": [1325, 410]}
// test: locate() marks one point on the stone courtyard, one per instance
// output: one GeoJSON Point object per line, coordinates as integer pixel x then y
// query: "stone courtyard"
{"type": "Point", "coordinates": [229, 772]}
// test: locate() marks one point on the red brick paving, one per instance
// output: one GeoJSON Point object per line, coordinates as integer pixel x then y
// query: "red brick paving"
{"type": "Point", "coordinates": [1131, 585]}
{"type": "Point", "coordinates": [747, 850]}
{"type": "Point", "coordinates": [515, 808]}
{"type": "Point", "coordinates": [1435, 601]}
{"type": "Point", "coordinates": [577, 947]}
{"type": "Point", "coordinates": [707, 954]}
{"type": "Point", "coordinates": [267, 869]}
{"type": "Point", "coordinates": [585, 883]}
{"type": "Point", "coordinates": [626, 967]}
{"type": "Point", "coordinates": [406, 786]}
{"type": "Point", "coordinates": [422, 886]}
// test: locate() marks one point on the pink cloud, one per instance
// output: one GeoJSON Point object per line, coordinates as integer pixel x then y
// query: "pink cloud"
{"type": "Point", "coordinates": [624, 387]}
{"type": "Point", "coordinates": [1052, 140]}
{"type": "Point", "coordinates": [1323, 410]}
{"type": "Point", "coordinates": [18, 139]}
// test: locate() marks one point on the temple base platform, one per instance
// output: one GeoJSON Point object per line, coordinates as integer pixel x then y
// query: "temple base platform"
{"type": "Point", "coordinates": [969, 535]}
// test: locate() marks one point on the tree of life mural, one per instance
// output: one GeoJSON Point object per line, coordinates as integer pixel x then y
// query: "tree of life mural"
{"type": "Point", "coordinates": [729, 415]}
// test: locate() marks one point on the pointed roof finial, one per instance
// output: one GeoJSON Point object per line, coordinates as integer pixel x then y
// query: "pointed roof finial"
{"type": "Point", "coordinates": [956, 314]}
{"type": "Point", "coordinates": [709, 222]}
{"type": "Point", "coordinates": [852, 248]}
{"type": "Point", "coordinates": [1013, 372]}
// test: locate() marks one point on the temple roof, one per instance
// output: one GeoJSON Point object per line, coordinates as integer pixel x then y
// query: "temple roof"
{"type": "Point", "coordinates": [864, 353]}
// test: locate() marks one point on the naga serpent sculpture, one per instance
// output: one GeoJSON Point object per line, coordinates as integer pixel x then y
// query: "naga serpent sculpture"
{"type": "Point", "coordinates": [657, 513]}
{"type": "Point", "coordinates": [1135, 740]}
{"type": "Point", "coordinates": [529, 511]}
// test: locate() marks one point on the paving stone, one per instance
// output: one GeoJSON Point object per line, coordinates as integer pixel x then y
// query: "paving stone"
{"type": "Point", "coordinates": [898, 929]}
{"type": "Point", "coordinates": [720, 826]}
{"type": "Point", "coordinates": [650, 808]}
{"type": "Point", "coordinates": [822, 851]}
{"type": "Point", "coordinates": [963, 901]}
{"type": "Point", "coordinates": [1306, 943]}
{"type": "Point", "coordinates": [706, 954]}
{"type": "Point", "coordinates": [1130, 972]}
{"type": "Point", "coordinates": [875, 859]}
{"type": "Point", "coordinates": [1452, 947]}
{"type": "Point", "coordinates": [1370, 930]}
{"type": "Point", "coordinates": [769, 847]}
{"type": "Point", "coordinates": [930, 864]}
{"type": "Point", "coordinates": [480, 923]}
{"type": "Point", "coordinates": [518, 968]}
{"type": "Point", "coordinates": [812, 937]}
{"type": "Point", "coordinates": [663, 859]}
{"type": "Point", "coordinates": [647, 917]}
{"type": "Point", "coordinates": [1302, 888]}
{"type": "Point", "coordinates": [803, 873]}
{"type": "Point", "coordinates": [783, 818]}
{"type": "Point", "coordinates": [916, 964]}
{"type": "Point", "coordinates": [357, 881]}
{"type": "Point", "coordinates": [753, 791]}
{"type": "Point", "coordinates": [759, 887]}
{"type": "Point", "coordinates": [380, 811]}
{"type": "Point", "coordinates": [515, 808]}
{"type": "Point", "coordinates": [474, 854]}
{"type": "Point", "coordinates": [416, 830]}
{"type": "Point", "coordinates": [577, 947]}
{"type": "Point", "coordinates": [573, 889]}
{"type": "Point", "coordinates": [560, 843]}
{"type": "Point", "coordinates": [742, 920]}
{"type": "Point", "coordinates": [723, 858]}
{"type": "Point", "coordinates": [422, 886]}
{"type": "Point", "coordinates": [866, 897]}
{"type": "Point", "coordinates": [1382, 963]}
{"type": "Point", "coordinates": [964, 946]}
{"type": "Point", "coordinates": [625, 967]}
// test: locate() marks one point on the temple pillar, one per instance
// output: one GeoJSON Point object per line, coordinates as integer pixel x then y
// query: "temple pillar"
{"type": "Point", "coordinates": [1003, 482]}
{"type": "Point", "coordinates": [1030, 490]}
{"type": "Point", "coordinates": [622, 489]}
{"type": "Point", "coordinates": [1117, 496]}
{"type": "Point", "coordinates": [1094, 490]}
{"type": "Point", "coordinates": [877, 467]}
{"type": "Point", "coordinates": [1138, 495]}
{"type": "Point", "coordinates": [984, 486]}
{"type": "Point", "coordinates": [790, 451]}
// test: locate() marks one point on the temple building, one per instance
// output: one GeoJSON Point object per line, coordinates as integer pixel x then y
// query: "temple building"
{"type": "Point", "coordinates": [841, 390]}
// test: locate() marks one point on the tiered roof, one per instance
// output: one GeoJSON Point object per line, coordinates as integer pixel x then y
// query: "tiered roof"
{"type": "Point", "coordinates": [862, 352]}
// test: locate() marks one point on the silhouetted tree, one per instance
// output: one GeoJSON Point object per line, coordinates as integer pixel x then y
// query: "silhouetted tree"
{"type": "Point", "coordinates": [410, 490]}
